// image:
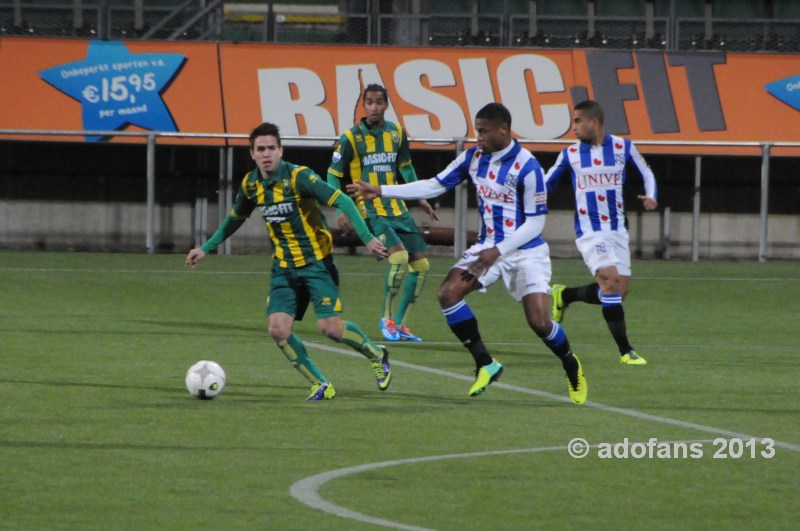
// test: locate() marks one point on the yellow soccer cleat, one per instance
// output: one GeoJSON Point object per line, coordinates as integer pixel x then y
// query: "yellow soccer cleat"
{"type": "Point", "coordinates": [484, 377]}
{"type": "Point", "coordinates": [578, 389]}
{"type": "Point", "coordinates": [321, 391]}
{"type": "Point", "coordinates": [631, 358]}
{"type": "Point", "coordinates": [558, 303]}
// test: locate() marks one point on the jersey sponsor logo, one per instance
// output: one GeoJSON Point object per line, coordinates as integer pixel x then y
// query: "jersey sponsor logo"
{"type": "Point", "coordinates": [378, 158]}
{"type": "Point", "coordinates": [277, 213]}
{"type": "Point", "coordinates": [287, 186]}
{"type": "Point", "coordinates": [598, 180]}
{"type": "Point", "coordinates": [490, 193]}
{"type": "Point", "coordinates": [395, 137]}
{"type": "Point", "coordinates": [382, 167]}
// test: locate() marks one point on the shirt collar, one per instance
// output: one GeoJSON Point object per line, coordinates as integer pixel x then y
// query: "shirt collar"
{"type": "Point", "coordinates": [585, 146]}
{"type": "Point", "coordinates": [508, 152]}
{"type": "Point", "coordinates": [279, 174]}
{"type": "Point", "coordinates": [366, 130]}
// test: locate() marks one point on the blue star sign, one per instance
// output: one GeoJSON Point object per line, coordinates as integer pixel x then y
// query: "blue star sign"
{"type": "Point", "coordinates": [787, 90]}
{"type": "Point", "coordinates": [116, 87]}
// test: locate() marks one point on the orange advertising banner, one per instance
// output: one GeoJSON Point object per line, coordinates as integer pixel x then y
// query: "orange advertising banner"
{"type": "Point", "coordinates": [92, 85]}
{"type": "Point", "coordinates": [434, 93]}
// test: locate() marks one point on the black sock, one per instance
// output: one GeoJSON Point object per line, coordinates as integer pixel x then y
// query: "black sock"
{"type": "Point", "coordinates": [558, 344]}
{"type": "Point", "coordinates": [570, 364]}
{"type": "Point", "coordinates": [615, 319]}
{"type": "Point", "coordinates": [587, 294]}
{"type": "Point", "coordinates": [467, 332]}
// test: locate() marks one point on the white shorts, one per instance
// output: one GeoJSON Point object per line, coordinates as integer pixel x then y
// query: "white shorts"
{"type": "Point", "coordinates": [605, 249]}
{"type": "Point", "coordinates": [524, 271]}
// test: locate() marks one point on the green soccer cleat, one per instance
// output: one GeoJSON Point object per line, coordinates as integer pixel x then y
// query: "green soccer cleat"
{"type": "Point", "coordinates": [576, 383]}
{"type": "Point", "coordinates": [631, 358]}
{"type": "Point", "coordinates": [485, 376]}
{"type": "Point", "coordinates": [321, 391]}
{"type": "Point", "coordinates": [558, 303]}
{"type": "Point", "coordinates": [383, 374]}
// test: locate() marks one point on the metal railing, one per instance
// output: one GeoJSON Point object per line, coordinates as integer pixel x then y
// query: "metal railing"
{"type": "Point", "coordinates": [226, 173]}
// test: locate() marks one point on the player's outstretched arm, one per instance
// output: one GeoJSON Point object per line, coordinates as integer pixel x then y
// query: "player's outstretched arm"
{"type": "Point", "coordinates": [363, 190]}
{"type": "Point", "coordinates": [194, 256]}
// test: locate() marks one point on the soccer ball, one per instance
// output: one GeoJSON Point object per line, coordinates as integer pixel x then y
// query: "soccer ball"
{"type": "Point", "coordinates": [205, 379]}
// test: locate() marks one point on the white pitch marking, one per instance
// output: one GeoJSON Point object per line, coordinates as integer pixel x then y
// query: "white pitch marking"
{"type": "Point", "coordinates": [306, 490]}
{"type": "Point", "coordinates": [544, 394]}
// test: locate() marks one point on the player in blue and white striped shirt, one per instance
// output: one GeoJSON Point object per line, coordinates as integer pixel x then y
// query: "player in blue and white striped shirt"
{"type": "Point", "coordinates": [598, 169]}
{"type": "Point", "coordinates": [513, 202]}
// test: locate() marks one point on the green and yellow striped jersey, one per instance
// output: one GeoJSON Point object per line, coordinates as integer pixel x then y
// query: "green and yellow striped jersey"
{"type": "Point", "coordinates": [288, 204]}
{"type": "Point", "coordinates": [376, 156]}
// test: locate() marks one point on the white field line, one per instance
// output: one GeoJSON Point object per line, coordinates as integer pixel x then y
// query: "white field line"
{"type": "Point", "coordinates": [544, 394]}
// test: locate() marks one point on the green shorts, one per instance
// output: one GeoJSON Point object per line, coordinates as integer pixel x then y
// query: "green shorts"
{"type": "Point", "coordinates": [291, 289]}
{"type": "Point", "coordinates": [398, 230]}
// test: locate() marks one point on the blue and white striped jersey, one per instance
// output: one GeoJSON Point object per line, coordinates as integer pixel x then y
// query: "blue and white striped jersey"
{"type": "Point", "coordinates": [598, 174]}
{"type": "Point", "coordinates": [510, 188]}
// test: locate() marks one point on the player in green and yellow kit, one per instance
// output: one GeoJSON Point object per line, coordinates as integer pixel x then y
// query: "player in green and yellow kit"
{"type": "Point", "coordinates": [376, 151]}
{"type": "Point", "coordinates": [303, 271]}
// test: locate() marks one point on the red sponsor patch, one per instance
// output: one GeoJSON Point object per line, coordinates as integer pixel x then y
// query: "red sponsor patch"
{"type": "Point", "coordinates": [598, 162]}
{"type": "Point", "coordinates": [601, 198]}
{"type": "Point", "coordinates": [509, 223]}
{"type": "Point", "coordinates": [573, 149]}
{"type": "Point", "coordinates": [488, 208]}
{"type": "Point", "coordinates": [619, 205]}
{"type": "Point", "coordinates": [582, 211]}
{"type": "Point", "coordinates": [604, 218]}
{"type": "Point", "coordinates": [618, 146]}
{"type": "Point", "coordinates": [517, 166]}
{"type": "Point", "coordinates": [491, 175]}
{"type": "Point", "coordinates": [490, 230]}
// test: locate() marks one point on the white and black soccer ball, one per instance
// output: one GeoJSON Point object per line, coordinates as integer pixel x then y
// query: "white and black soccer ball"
{"type": "Point", "coordinates": [205, 379]}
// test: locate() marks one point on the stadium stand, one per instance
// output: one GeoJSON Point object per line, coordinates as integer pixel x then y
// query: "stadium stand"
{"type": "Point", "coordinates": [735, 25]}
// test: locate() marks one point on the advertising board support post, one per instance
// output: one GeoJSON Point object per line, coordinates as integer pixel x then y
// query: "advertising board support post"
{"type": "Point", "coordinates": [151, 193]}
{"type": "Point", "coordinates": [762, 239]}
{"type": "Point", "coordinates": [460, 211]}
{"type": "Point", "coordinates": [696, 211]}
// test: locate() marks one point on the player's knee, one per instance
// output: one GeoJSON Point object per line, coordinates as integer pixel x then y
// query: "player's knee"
{"type": "Point", "coordinates": [399, 258]}
{"type": "Point", "coordinates": [448, 295]}
{"type": "Point", "coordinates": [332, 328]}
{"type": "Point", "coordinates": [419, 266]}
{"type": "Point", "coordinates": [541, 324]}
{"type": "Point", "coordinates": [279, 332]}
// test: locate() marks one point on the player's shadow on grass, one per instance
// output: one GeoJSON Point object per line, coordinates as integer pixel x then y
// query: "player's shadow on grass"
{"type": "Point", "coordinates": [211, 327]}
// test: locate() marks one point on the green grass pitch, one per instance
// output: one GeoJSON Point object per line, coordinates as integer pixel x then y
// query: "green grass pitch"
{"type": "Point", "coordinates": [98, 431]}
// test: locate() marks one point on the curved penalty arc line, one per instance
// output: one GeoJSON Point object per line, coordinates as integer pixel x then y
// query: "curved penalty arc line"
{"type": "Point", "coordinates": [306, 490]}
